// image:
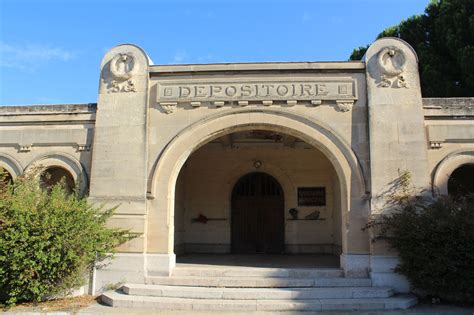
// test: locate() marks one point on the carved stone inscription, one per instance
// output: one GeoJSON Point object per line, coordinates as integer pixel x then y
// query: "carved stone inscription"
{"type": "Point", "coordinates": [258, 91]}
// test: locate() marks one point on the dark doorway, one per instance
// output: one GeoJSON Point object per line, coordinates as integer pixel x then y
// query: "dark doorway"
{"type": "Point", "coordinates": [5, 179]}
{"type": "Point", "coordinates": [55, 175]}
{"type": "Point", "coordinates": [461, 182]}
{"type": "Point", "coordinates": [258, 215]}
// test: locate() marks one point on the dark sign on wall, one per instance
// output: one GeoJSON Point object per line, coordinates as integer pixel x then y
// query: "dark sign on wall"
{"type": "Point", "coordinates": [311, 196]}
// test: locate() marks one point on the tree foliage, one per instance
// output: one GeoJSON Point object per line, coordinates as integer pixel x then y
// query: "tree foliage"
{"type": "Point", "coordinates": [49, 240]}
{"type": "Point", "coordinates": [443, 38]}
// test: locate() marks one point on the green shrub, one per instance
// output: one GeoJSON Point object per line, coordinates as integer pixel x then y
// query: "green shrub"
{"type": "Point", "coordinates": [49, 240]}
{"type": "Point", "coordinates": [435, 242]}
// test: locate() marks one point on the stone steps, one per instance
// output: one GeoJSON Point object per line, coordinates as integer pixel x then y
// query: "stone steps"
{"type": "Point", "coordinates": [117, 299]}
{"type": "Point", "coordinates": [258, 282]}
{"type": "Point", "coordinates": [256, 293]}
{"type": "Point", "coordinates": [257, 272]}
{"type": "Point", "coordinates": [247, 289]}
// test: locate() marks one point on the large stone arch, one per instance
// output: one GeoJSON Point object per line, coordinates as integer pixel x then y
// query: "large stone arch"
{"type": "Point", "coordinates": [354, 207]}
{"type": "Point", "coordinates": [63, 160]}
{"type": "Point", "coordinates": [446, 167]}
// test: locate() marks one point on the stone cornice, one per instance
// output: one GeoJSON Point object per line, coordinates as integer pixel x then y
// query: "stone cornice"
{"type": "Point", "coordinates": [260, 66]}
{"type": "Point", "coordinates": [39, 109]}
{"type": "Point", "coordinates": [443, 107]}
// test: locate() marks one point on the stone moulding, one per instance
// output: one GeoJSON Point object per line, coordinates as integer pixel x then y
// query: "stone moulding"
{"type": "Point", "coordinates": [340, 105]}
{"type": "Point", "coordinates": [25, 148]}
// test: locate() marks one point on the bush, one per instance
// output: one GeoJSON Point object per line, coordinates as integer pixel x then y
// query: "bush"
{"type": "Point", "coordinates": [49, 240]}
{"type": "Point", "coordinates": [435, 242]}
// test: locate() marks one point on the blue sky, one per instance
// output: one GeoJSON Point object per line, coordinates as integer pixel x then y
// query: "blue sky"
{"type": "Point", "coordinates": [50, 50]}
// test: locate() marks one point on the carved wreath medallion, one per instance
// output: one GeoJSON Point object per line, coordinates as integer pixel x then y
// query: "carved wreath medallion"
{"type": "Point", "coordinates": [122, 68]}
{"type": "Point", "coordinates": [392, 61]}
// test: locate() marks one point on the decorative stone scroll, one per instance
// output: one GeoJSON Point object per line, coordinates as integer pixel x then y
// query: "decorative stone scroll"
{"type": "Point", "coordinates": [391, 61]}
{"type": "Point", "coordinates": [169, 107]}
{"type": "Point", "coordinates": [122, 68]}
{"type": "Point", "coordinates": [344, 106]}
{"type": "Point", "coordinates": [342, 93]}
{"type": "Point", "coordinates": [435, 145]}
{"type": "Point", "coordinates": [83, 147]}
{"type": "Point", "coordinates": [24, 148]}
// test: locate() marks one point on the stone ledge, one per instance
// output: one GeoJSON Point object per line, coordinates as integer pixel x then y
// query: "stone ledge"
{"type": "Point", "coordinates": [260, 66]}
{"type": "Point", "coordinates": [42, 109]}
{"type": "Point", "coordinates": [459, 106]}
{"type": "Point", "coordinates": [446, 102]}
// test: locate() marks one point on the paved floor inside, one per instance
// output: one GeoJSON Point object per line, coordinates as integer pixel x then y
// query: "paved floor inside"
{"type": "Point", "coordinates": [258, 261]}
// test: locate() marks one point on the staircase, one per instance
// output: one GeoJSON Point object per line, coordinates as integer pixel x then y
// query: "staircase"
{"type": "Point", "coordinates": [257, 289]}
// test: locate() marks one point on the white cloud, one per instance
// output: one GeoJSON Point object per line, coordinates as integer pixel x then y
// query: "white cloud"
{"type": "Point", "coordinates": [46, 100]}
{"type": "Point", "coordinates": [337, 20]}
{"type": "Point", "coordinates": [179, 56]}
{"type": "Point", "coordinates": [306, 17]}
{"type": "Point", "coordinates": [29, 57]}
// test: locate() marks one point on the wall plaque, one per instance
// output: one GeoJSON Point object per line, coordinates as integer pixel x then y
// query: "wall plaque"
{"type": "Point", "coordinates": [321, 89]}
{"type": "Point", "coordinates": [311, 196]}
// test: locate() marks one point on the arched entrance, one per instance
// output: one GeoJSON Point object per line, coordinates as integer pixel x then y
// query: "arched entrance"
{"type": "Point", "coordinates": [257, 215]}
{"type": "Point", "coordinates": [351, 204]}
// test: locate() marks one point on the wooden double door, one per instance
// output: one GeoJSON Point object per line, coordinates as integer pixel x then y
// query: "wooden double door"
{"type": "Point", "coordinates": [258, 215]}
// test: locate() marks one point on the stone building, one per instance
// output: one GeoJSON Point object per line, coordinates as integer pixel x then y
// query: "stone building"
{"type": "Point", "coordinates": [250, 158]}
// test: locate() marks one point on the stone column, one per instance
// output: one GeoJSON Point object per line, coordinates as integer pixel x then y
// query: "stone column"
{"type": "Point", "coordinates": [119, 161]}
{"type": "Point", "coordinates": [397, 135]}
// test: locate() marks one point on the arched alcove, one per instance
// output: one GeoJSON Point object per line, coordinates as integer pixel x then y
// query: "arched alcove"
{"type": "Point", "coordinates": [57, 164]}
{"type": "Point", "coordinates": [447, 166]}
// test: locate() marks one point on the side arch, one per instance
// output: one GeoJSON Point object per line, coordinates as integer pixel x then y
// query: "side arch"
{"type": "Point", "coordinates": [446, 167]}
{"type": "Point", "coordinates": [353, 207]}
{"type": "Point", "coordinates": [66, 161]}
{"type": "Point", "coordinates": [11, 165]}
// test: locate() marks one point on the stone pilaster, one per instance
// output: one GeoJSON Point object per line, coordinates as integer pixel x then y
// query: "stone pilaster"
{"type": "Point", "coordinates": [396, 122]}
{"type": "Point", "coordinates": [119, 161]}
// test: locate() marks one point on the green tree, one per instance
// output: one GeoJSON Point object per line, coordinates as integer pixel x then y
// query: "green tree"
{"type": "Point", "coordinates": [443, 38]}
{"type": "Point", "coordinates": [49, 240]}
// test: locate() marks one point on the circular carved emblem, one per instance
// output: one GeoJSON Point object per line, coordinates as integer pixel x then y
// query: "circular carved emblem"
{"type": "Point", "coordinates": [123, 66]}
{"type": "Point", "coordinates": [391, 61]}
